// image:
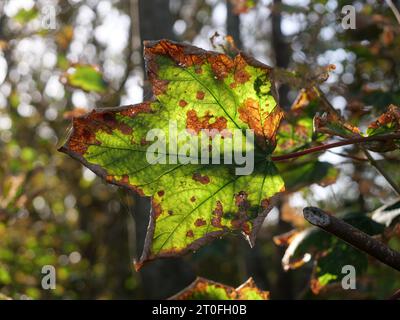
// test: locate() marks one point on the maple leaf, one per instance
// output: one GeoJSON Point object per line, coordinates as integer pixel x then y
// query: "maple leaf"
{"type": "Point", "coordinates": [204, 289]}
{"type": "Point", "coordinates": [192, 204]}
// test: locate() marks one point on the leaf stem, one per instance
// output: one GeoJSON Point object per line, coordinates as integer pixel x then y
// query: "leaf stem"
{"type": "Point", "coordinates": [338, 144]}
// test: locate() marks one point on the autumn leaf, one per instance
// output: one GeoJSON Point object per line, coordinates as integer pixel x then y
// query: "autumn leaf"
{"type": "Point", "coordinates": [85, 77]}
{"type": "Point", "coordinates": [332, 124]}
{"type": "Point", "coordinates": [203, 289]}
{"type": "Point", "coordinates": [192, 203]}
{"type": "Point", "coordinates": [388, 122]}
{"type": "Point", "coordinates": [296, 131]}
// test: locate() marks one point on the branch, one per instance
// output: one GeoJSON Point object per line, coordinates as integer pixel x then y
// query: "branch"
{"type": "Point", "coordinates": [352, 236]}
{"type": "Point", "coordinates": [335, 145]}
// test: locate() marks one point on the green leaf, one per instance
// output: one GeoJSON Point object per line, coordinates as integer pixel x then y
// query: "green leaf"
{"type": "Point", "coordinates": [85, 77]}
{"type": "Point", "coordinates": [192, 203]}
{"type": "Point", "coordinates": [203, 289]}
{"type": "Point", "coordinates": [23, 16]}
{"type": "Point", "coordinates": [329, 265]}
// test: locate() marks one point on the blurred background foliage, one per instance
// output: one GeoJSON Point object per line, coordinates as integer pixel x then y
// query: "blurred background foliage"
{"type": "Point", "coordinates": [54, 211]}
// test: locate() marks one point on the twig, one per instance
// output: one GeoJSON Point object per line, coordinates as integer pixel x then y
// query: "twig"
{"type": "Point", "coordinates": [335, 145]}
{"type": "Point", "coordinates": [382, 171]}
{"type": "Point", "coordinates": [350, 156]}
{"type": "Point", "coordinates": [352, 236]}
{"type": "Point", "coordinates": [394, 9]}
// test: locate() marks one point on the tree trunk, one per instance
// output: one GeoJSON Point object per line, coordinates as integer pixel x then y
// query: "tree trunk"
{"type": "Point", "coordinates": [160, 279]}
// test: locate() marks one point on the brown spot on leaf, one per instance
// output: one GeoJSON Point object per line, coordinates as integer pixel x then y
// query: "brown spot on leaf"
{"type": "Point", "coordinates": [200, 222]}
{"type": "Point", "coordinates": [241, 201]}
{"type": "Point", "coordinates": [208, 121]}
{"type": "Point", "coordinates": [125, 179]}
{"type": "Point", "coordinates": [160, 193]}
{"type": "Point", "coordinates": [144, 107]}
{"type": "Point", "coordinates": [221, 65]}
{"type": "Point", "coordinates": [182, 103]}
{"type": "Point", "coordinates": [170, 212]}
{"type": "Point", "coordinates": [218, 212]}
{"type": "Point", "coordinates": [200, 95]}
{"type": "Point", "coordinates": [240, 74]}
{"type": "Point", "coordinates": [265, 203]}
{"type": "Point", "coordinates": [199, 178]}
{"type": "Point", "coordinates": [193, 199]}
{"type": "Point", "coordinates": [190, 234]}
{"type": "Point", "coordinates": [159, 86]}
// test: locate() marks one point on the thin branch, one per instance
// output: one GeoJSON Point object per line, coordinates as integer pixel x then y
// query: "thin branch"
{"type": "Point", "coordinates": [382, 171]}
{"type": "Point", "coordinates": [350, 156]}
{"type": "Point", "coordinates": [352, 236]}
{"type": "Point", "coordinates": [394, 9]}
{"type": "Point", "coordinates": [335, 145]}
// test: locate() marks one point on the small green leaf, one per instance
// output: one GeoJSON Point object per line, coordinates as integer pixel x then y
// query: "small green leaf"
{"type": "Point", "coordinates": [23, 16]}
{"type": "Point", "coordinates": [85, 77]}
